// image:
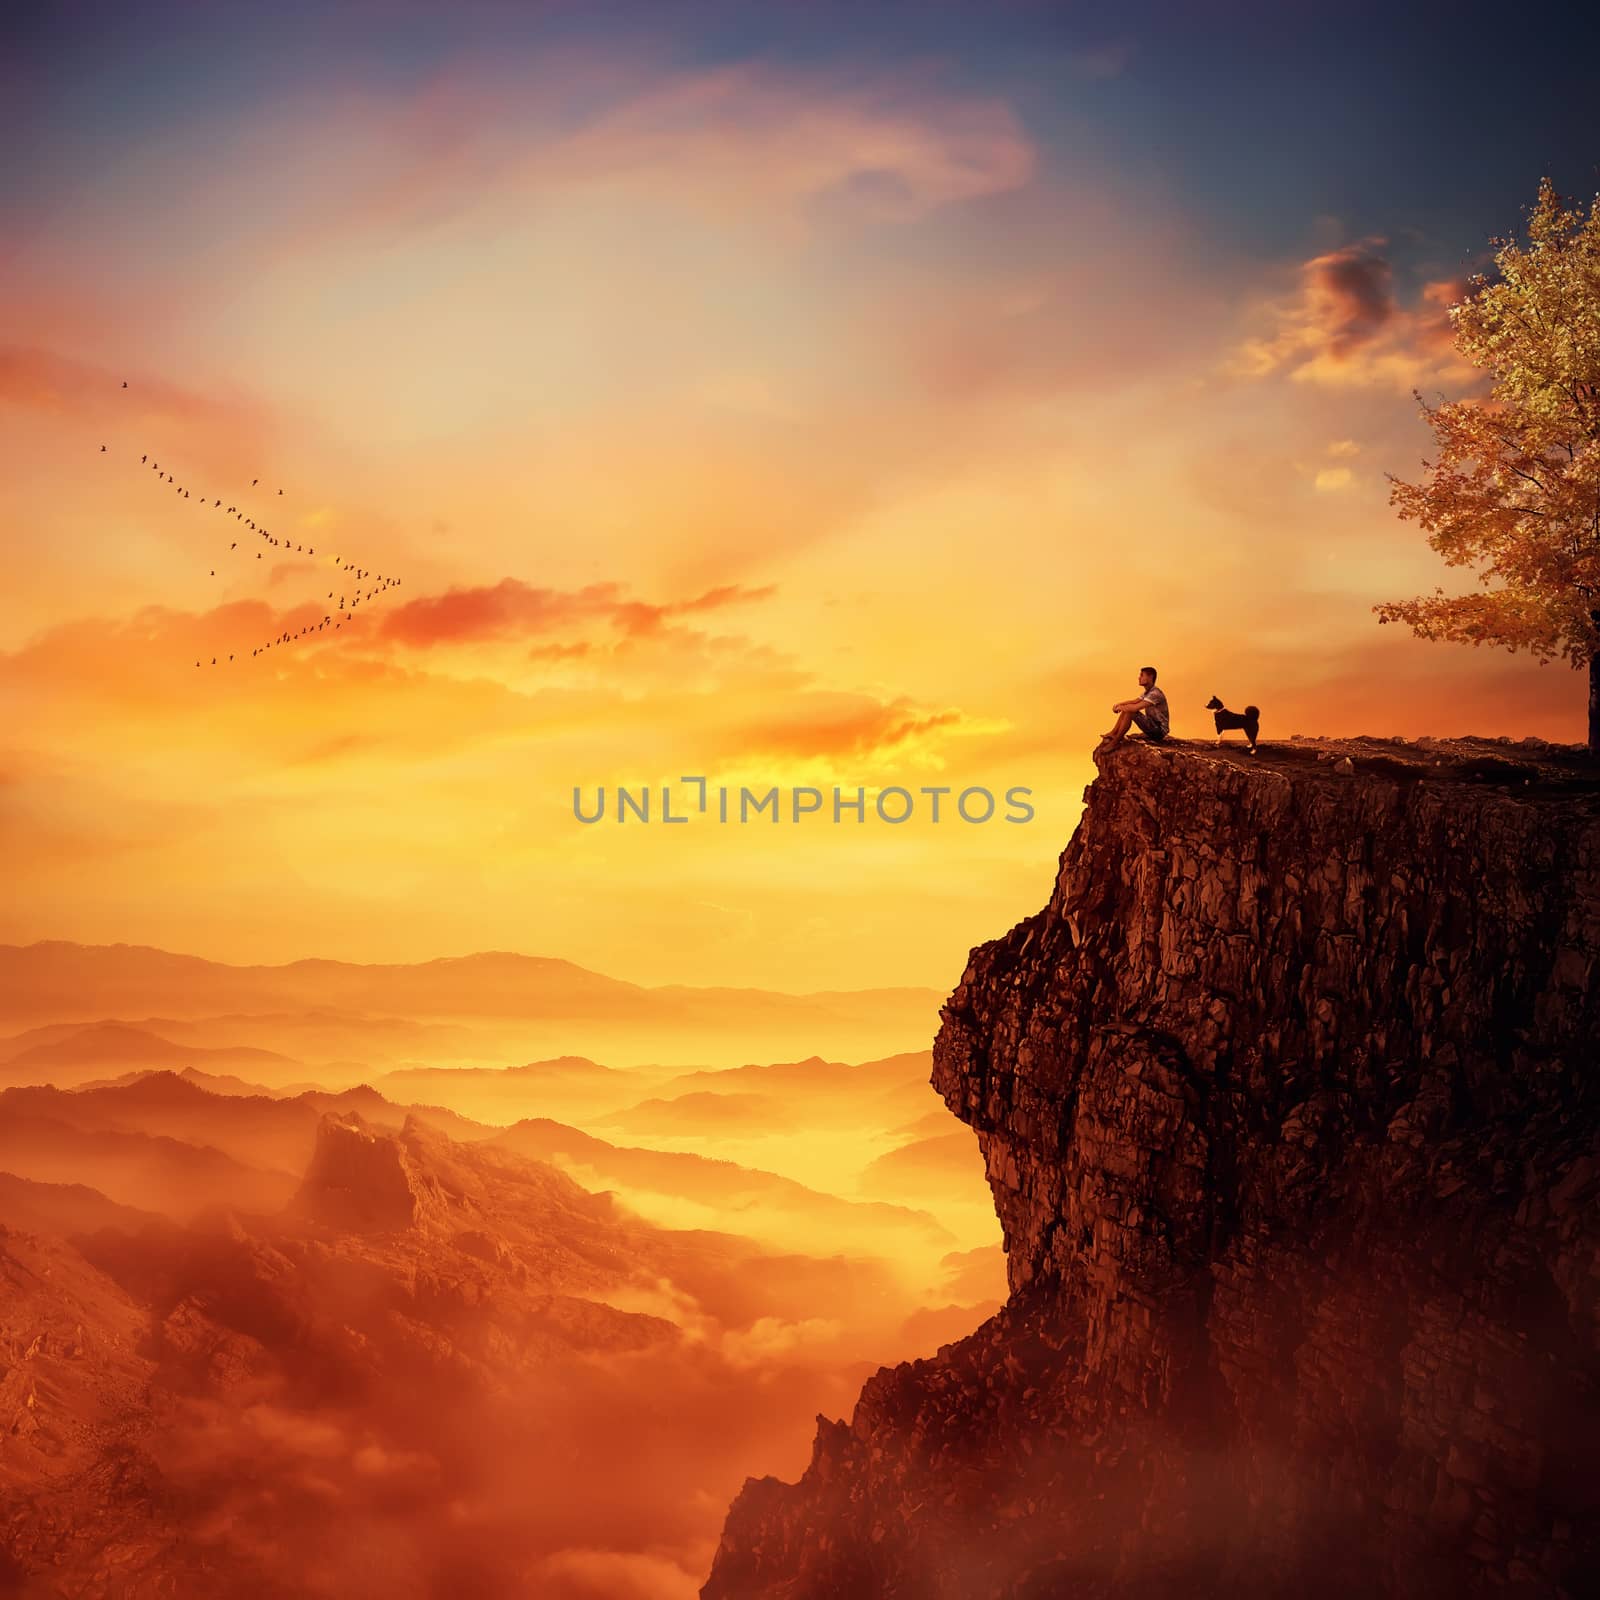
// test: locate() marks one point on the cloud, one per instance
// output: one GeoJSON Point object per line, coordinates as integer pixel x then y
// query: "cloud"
{"type": "Point", "coordinates": [582, 1573]}
{"type": "Point", "coordinates": [836, 723]}
{"type": "Point", "coordinates": [1103, 61]}
{"type": "Point", "coordinates": [511, 607]}
{"type": "Point", "coordinates": [148, 657]}
{"type": "Point", "coordinates": [45, 380]}
{"type": "Point", "coordinates": [744, 140]}
{"type": "Point", "coordinates": [1350, 293]}
{"type": "Point", "coordinates": [768, 1339]}
{"type": "Point", "coordinates": [1343, 326]}
{"type": "Point", "coordinates": [297, 1433]}
{"type": "Point", "coordinates": [388, 688]}
{"type": "Point", "coordinates": [1330, 479]}
{"type": "Point", "coordinates": [1436, 332]}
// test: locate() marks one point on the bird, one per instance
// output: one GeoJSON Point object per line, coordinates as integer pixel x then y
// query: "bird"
{"type": "Point", "coordinates": [143, 459]}
{"type": "Point", "coordinates": [234, 545]}
{"type": "Point", "coordinates": [280, 491]}
{"type": "Point", "coordinates": [102, 449]}
{"type": "Point", "coordinates": [254, 482]}
{"type": "Point", "coordinates": [124, 383]}
{"type": "Point", "coordinates": [213, 572]}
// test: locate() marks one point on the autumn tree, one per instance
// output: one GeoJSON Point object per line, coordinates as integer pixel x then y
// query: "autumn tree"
{"type": "Point", "coordinates": [1515, 490]}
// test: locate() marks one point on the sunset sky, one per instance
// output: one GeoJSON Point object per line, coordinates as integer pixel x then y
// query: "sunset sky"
{"type": "Point", "coordinates": [789, 394]}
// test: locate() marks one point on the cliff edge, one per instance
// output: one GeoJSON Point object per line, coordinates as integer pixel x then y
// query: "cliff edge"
{"type": "Point", "coordinates": [1287, 1100]}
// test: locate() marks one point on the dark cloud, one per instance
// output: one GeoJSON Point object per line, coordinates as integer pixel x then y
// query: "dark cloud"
{"type": "Point", "coordinates": [1345, 326]}
{"type": "Point", "coordinates": [1351, 293]}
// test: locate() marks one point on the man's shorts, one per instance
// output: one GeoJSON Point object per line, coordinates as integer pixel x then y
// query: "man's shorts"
{"type": "Point", "coordinates": [1149, 727]}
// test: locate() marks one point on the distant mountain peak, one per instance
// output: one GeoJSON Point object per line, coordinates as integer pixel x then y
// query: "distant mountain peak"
{"type": "Point", "coordinates": [161, 1085]}
{"type": "Point", "coordinates": [368, 1180]}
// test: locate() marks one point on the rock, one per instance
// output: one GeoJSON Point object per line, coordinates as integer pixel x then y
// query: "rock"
{"type": "Point", "coordinates": [1344, 765]}
{"type": "Point", "coordinates": [363, 1178]}
{"type": "Point", "coordinates": [1300, 1212]}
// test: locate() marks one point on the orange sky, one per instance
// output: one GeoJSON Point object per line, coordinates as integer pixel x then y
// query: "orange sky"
{"type": "Point", "coordinates": [699, 449]}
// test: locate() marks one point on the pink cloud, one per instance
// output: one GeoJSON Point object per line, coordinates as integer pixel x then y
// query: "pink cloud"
{"type": "Point", "coordinates": [510, 607]}
{"type": "Point", "coordinates": [45, 380]}
{"type": "Point", "coordinates": [742, 139]}
{"type": "Point", "coordinates": [1343, 325]}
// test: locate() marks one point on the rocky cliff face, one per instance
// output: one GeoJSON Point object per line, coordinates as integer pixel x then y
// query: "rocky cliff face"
{"type": "Point", "coordinates": [365, 1179]}
{"type": "Point", "coordinates": [1287, 1100]}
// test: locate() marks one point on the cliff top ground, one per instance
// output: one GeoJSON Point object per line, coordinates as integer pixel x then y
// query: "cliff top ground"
{"type": "Point", "coordinates": [1528, 768]}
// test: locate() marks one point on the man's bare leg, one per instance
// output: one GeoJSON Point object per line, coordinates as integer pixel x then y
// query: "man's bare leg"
{"type": "Point", "coordinates": [1124, 718]}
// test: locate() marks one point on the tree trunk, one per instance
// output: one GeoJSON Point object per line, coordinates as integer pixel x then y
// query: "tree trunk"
{"type": "Point", "coordinates": [1594, 704]}
{"type": "Point", "coordinates": [1594, 687]}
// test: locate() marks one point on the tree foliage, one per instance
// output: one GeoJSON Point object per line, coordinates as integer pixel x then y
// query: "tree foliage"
{"type": "Point", "coordinates": [1515, 488]}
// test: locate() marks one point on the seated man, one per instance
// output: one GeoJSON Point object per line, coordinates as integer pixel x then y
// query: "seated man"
{"type": "Point", "coordinates": [1149, 711]}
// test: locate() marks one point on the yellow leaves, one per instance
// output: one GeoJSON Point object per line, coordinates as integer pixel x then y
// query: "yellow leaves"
{"type": "Point", "coordinates": [1515, 488]}
{"type": "Point", "coordinates": [1509, 618]}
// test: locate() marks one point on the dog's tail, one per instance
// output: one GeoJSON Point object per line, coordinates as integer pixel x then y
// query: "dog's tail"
{"type": "Point", "coordinates": [1252, 711]}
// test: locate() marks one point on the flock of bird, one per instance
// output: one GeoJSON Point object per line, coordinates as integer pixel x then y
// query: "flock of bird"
{"type": "Point", "coordinates": [349, 589]}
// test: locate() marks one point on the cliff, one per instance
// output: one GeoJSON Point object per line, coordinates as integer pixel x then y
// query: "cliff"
{"type": "Point", "coordinates": [1287, 1100]}
{"type": "Point", "coordinates": [366, 1179]}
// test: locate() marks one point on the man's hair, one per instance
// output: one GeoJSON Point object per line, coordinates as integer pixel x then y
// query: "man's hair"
{"type": "Point", "coordinates": [1151, 671]}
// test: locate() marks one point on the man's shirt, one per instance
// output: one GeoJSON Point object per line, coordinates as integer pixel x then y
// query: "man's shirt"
{"type": "Point", "coordinates": [1154, 700]}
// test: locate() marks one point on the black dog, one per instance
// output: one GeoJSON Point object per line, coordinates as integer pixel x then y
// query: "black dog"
{"type": "Point", "coordinates": [1249, 719]}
